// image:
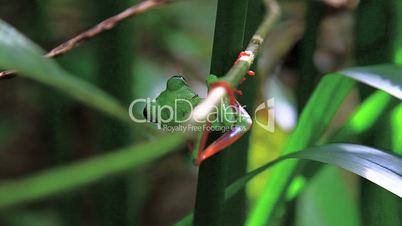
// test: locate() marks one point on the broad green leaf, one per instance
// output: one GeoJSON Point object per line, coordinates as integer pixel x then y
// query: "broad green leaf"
{"type": "Point", "coordinates": [61, 179]}
{"type": "Point", "coordinates": [19, 53]}
{"type": "Point", "coordinates": [314, 120]}
{"type": "Point", "coordinates": [386, 77]}
{"type": "Point", "coordinates": [382, 168]}
{"type": "Point", "coordinates": [377, 166]}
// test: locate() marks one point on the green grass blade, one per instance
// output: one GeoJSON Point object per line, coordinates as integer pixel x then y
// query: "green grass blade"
{"type": "Point", "coordinates": [386, 77]}
{"type": "Point", "coordinates": [396, 126]}
{"type": "Point", "coordinates": [72, 176]}
{"type": "Point", "coordinates": [19, 53]}
{"type": "Point", "coordinates": [364, 117]}
{"type": "Point", "coordinates": [314, 120]}
{"type": "Point", "coordinates": [398, 36]}
{"type": "Point", "coordinates": [378, 166]}
{"type": "Point", "coordinates": [213, 174]}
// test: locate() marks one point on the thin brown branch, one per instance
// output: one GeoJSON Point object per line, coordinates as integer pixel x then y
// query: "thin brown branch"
{"type": "Point", "coordinates": [105, 25]}
{"type": "Point", "coordinates": [96, 30]}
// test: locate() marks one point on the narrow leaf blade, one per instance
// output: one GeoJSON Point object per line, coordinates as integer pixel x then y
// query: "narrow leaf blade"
{"type": "Point", "coordinates": [19, 53]}
{"type": "Point", "coordinates": [385, 77]}
{"type": "Point", "coordinates": [378, 166]}
{"type": "Point", "coordinates": [315, 118]}
{"type": "Point", "coordinates": [75, 175]}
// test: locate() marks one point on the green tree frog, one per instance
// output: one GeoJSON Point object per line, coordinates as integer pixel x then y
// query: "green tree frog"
{"type": "Point", "coordinates": [173, 106]}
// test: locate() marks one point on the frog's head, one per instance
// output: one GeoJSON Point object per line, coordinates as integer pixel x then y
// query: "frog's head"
{"type": "Point", "coordinates": [173, 105]}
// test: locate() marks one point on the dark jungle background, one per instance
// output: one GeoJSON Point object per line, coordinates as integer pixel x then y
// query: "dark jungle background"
{"type": "Point", "coordinates": [41, 128]}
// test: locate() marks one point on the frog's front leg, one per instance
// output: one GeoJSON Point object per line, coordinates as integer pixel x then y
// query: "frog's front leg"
{"type": "Point", "coordinates": [236, 131]}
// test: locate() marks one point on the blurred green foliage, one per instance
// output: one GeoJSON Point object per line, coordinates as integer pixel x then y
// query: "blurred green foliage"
{"type": "Point", "coordinates": [52, 171]}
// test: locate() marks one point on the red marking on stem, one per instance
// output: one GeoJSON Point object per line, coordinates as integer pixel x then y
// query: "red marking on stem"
{"type": "Point", "coordinates": [251, 73]}
{"type": "Point", "coordinates": [242, 54]}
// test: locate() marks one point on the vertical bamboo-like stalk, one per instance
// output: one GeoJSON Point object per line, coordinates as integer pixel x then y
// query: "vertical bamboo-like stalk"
{"type": "Point", "coordinates": [114, 57]}
{"type": "Point", "coordinates": [235, 208]}
{"type": "Point", "coordinates": [308, 74]}
{"type": "Point", "coordinates": [212, 179]}
{"type": "Point", "coordinates": [375, 33]}
{"type": "Point", "coordinates": [56, 109]}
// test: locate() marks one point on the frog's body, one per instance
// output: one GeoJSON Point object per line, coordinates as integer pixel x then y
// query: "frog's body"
{"type": "Point", "coordinates": [233, 120]}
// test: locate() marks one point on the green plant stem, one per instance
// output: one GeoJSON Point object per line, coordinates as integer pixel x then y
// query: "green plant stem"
{"type": "Point", "coordinates": [374, 45]}
{"type": "Point", "coordinates": [239, 69]}
{"type": "Point", "coordinates": [235, 207]}
{"type": "Point", "coordinates": [307, 71]}
{"type": "Point", "coordinates": [237, 72]}
{"type": "Point", "coordinates": [228, 42]}
{"type": "Point", "coordinates": [374, 40]}
{"type": "Point", "coordinates": [114, 76]}
{"type": "Point", "coordinates": [230, 24]}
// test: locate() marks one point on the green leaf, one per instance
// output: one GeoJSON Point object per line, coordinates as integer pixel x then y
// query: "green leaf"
{"type": "Point", "coordinates": [19, 53]}
{"type": "Point", "coordinates": [380, 167]}
{"type": "Point", "coordinates": [72, 176]}
{"type": "Point", "coordinates": [315, 119]}
{"type": "Point", "coordinates": [364, 117]}
{"type": "Point", "coordinates": [386, 77]}
{"type": "Point", "coordinates": [377, 166]}
{"type": "Point", "coordinates": [396, 126]}
{"type": "Point", "coordinates": [398, 35]}
{"type": "Point", "coordinates": [213, 174]}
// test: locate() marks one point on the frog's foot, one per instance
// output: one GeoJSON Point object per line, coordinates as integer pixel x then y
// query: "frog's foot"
{"type": "Point", "coordinates": [225, 140]}
{"type": "Point", "coordinates": [222, 142]}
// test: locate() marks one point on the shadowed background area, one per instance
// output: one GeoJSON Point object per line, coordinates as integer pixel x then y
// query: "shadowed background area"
{"type": "Point", "coordinates": [42, 128]}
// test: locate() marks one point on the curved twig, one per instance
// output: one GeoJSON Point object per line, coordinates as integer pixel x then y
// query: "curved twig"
{"type": "Point", "coordinates": [96, 30]}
